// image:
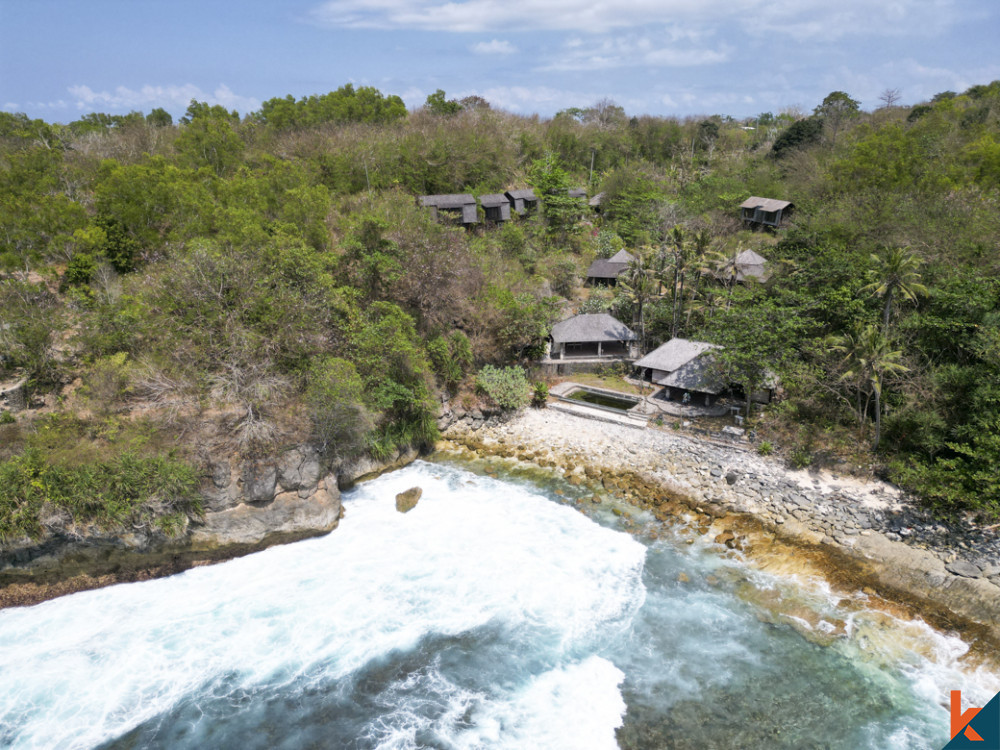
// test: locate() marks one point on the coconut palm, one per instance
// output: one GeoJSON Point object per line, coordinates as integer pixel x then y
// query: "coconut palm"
{"type": "Point", "coordinates": [899, 278]}
{"type": "Point", "coordinates": [870, 360]}
{"type": "Point", "coordinates": [637, 286]}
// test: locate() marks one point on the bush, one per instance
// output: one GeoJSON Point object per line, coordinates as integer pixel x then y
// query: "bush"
{"type": "Point", "coordinates": [7, 418]}
{"type": "Point", "coordinates": [124, 490]}
{"type": "Point", "coordinates": [507, 387]}
{"type": "Point", "coordinates": [334, 396]}
{"type": "Point", "coordinates": [765, 448]}
{"type": "Point", "coordinates": [540, 396]}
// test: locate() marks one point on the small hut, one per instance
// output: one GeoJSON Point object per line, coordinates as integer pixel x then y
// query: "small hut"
{"type": "Point", "coordinates": [750, 265]}
{"type": "Point", "coordinates": [605, 271]}
{"type": "Point", "coordinates": [576, 193]}
{"type": "Point", "coordinates": [764, 212]}
{"type": "Point", "coordinates": [595, 202]}
{"type": "Point", "coordinates": [524, 201]}
{"type": "Point", "coordinates": [460, 208]}
{"type": "Point", "coordinates": [593, 335]}
{"type": "Point", "coordinates": [496, 206]}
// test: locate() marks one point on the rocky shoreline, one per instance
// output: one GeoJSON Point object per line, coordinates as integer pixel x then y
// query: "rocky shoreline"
{"type": "Point", "coordinates": [948, 572]}
{"type": "Point", "coordinates": [249, 505]}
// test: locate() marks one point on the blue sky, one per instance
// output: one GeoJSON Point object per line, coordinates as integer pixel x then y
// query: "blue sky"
{"type": "Point", "coordinates": [60, 59]}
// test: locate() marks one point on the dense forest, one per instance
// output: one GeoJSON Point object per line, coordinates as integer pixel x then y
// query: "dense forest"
{"type": "Point", "coordinates": [272, 271]}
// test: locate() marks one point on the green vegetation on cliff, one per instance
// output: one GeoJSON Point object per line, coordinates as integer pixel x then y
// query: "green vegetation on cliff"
{"type": "Point", "coordinates": [273, 272]}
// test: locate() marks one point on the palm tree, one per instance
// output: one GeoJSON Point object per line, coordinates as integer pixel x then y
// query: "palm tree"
{"type": "Point", "coordinates": [723, 267]}
{"type": "Point", "coordinates": [683, 255]}
{"type": "Point", "coordinates": [870, 360]}
{"type": "Point", "coordinates": [637, 286]}
{"type": "Point", "coordinates": [899, 276]}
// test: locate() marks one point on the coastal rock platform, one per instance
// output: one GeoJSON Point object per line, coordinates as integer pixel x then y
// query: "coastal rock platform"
{"type": "Point", "coordinates": [950, 572]}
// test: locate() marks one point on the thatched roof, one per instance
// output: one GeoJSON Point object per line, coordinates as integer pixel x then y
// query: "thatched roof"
{"type": "Point", "coordinates": [674, 354]}
{"type": "Point", "coordinates": [591, 328]}
{"type": "Point", "coordinates": [765, 204]}
{"type": "Point", "coordinates": [457, 200]}
{"type": "Point", "coordinates": [610, 268]}
{"type": "Point", "coordinates": [750, 265]}
{"type": "Point", "coordinates": [577, 193]}
{"type": "Point", "coordinates": [492, 200]}
{"type": "Point", "coordinates": [596, 201]}
{"type": "Point", "coordinates": [700, 374]}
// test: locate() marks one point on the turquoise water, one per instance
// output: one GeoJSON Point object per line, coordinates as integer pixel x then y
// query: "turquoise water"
{"type": "Point", "coordinates": [493, 615]}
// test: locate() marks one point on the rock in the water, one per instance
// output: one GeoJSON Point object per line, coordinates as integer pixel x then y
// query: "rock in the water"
{"type": "Point", "coordinates": [407, 501]}
{"type": "Point", "coordinates": [964, 569]}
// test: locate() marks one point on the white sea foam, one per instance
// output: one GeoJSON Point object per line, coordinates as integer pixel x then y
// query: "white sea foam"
{"type": "Point", "coordinates": [576, 707]}
{"type": "Point", "coordinates": [83, 669]}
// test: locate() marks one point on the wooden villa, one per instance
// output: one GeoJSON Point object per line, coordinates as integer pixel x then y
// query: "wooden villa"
{"type": "Point", "coordinates": [460, 208]}
{"type": "Point", "coordinates": [524, 201]}
{"type": "Point", "coordinates": [496, 207]}
{"type": "Point", "coordinates": [764, 212]}
{"type": "Point", "coordinates": [605, 271]}
{"type": "Point", "coordinates": [592, 336]}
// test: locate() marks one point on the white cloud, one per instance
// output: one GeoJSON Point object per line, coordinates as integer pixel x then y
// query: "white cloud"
{"type": "Point", "coordinates": [173, 98]}
{"type": "Point", "coordinates": [531, 99]}
{"type": "Point", "coordinates": [494, 47]}
{"type": "Point", "coordinates": [631, 50]}
{"type": "Point", "coordinates": [802, 19]}
{"type": "Point", "coordinates": [10, 106]}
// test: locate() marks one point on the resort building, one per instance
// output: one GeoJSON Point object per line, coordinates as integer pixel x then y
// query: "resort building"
{"type": "Point", "coordinates": [764, 212]}
{"type": "Point", "coordinates": [496, 206]}
{"type": "Point", "coordinates": [592, 336]}
{"type": "Point", "coordinates": [459, 208]}
{"type": "Point", "coordinates": [525, 201]}
{"type": "Point", "coordinates": [605, 271]}
{"type": "Point", "coordinates": [686, 371]}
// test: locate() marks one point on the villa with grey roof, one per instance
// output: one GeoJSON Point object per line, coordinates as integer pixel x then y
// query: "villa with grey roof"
{"type": "Point", "coordinates": [605, 271]}
{"type": "Point", "coordinates": [689, 373]}
{"type": "Point", "coordinates": [496, 206]}
{"type": "Point", "coordinates": [764, 212]}
{"type": "Point", "coordinates": [592, 336]}
{"type": "Point", "coordinates": [460, 208]}
{"type": "Point", "coordinates": [524, 201]}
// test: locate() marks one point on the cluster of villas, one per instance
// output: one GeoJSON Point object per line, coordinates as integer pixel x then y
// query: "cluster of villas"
{"type": "Point", "coordinates": [462, 208]}
{"type": "Point", "coordinates": [683, 371]}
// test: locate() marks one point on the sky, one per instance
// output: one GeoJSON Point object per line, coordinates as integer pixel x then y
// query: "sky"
{"type": "Point", "coordinates": [60, 59]}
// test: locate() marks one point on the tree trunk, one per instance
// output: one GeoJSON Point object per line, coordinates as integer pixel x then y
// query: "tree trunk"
{"type": "Point", "coordinates": [878, 420]}
{"type": "Point", "coordinates": [673, 322]}
{"type": "Point", "coordinates": [885, 312]}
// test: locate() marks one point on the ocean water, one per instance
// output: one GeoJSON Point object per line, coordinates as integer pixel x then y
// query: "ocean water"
{"type": "Point", "coordinates": [495, 614]}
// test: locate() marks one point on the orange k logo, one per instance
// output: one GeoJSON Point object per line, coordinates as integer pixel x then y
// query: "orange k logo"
{"type": "Point", "coordinates": [960, 721]}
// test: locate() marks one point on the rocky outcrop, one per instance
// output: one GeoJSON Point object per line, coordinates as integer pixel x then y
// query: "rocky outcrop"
{"type": "Point", "coordinates": [407, 500]}
{"type": "Point", "coordinates": [248, 505]}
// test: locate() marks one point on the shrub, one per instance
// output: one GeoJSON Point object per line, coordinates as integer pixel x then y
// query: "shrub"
{"type": "Point", "coordinates": [765, 448]}
{"type": "Point", "coordinates": [334, 396]}
{"type": "Point", "coordinates": [7, 418]}
{"type": "Point", "coordinates": [540, 396]}
{"type": "Point", "coordinates": [507, 387]}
